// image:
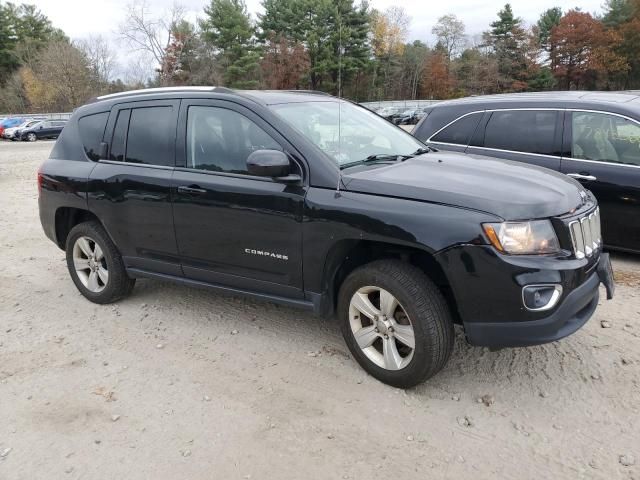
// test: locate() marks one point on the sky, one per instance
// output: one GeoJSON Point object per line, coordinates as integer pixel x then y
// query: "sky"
{"type": "Point", "coordinates": [82, 18]}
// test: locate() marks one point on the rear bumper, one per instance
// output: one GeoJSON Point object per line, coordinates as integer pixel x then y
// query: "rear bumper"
{"type": "Point", "coordinates": [575, 310]}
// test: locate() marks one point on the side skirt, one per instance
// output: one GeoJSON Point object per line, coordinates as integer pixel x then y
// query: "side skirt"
{"type": "Point", "coordinates": [295, 303]}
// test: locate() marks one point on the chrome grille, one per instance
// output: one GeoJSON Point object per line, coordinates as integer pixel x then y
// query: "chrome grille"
{"type": "Point", "coordinates": [585, 234]}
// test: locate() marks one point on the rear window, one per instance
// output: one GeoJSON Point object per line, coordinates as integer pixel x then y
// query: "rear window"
{"type": "Point", "coordinates": [149, 136]}
{"type": "Point", "coordinates": [91, 132]}
{"type": "Point", "coordinates": [119, 136]}
{"type": "Point", "coordinates": [529, 131]}
{"type": "Point", "coordinates": [460, 131]}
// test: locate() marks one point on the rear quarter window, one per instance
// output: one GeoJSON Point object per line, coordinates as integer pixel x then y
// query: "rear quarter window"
{"type": "Point", "coordinates": [91, 132]}
{"type": "Point", "coordinates": [460, 131]}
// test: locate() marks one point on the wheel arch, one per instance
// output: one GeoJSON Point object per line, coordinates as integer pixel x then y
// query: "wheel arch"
{"type": "Point", "coordinates": [68, 217]}
{"type": "Point", "coordinates": [347, 255]}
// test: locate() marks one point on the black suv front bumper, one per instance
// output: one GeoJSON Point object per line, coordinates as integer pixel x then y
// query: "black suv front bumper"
{"type": "Point", "coordinates": [490, 301]}
{"type": "Point", "coordinates": [576, 309]}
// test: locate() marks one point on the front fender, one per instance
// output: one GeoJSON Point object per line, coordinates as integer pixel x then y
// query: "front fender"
{"type": "Point", "coordinates": [337, 219]}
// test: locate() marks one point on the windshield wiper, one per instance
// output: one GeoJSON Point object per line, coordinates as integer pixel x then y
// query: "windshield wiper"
{"type": "Point", "coordinates": [386, 157]}
{"type": "Point", "coordinates": [379, 157]}
{"type": "Point", "coordinates": [422, 151]}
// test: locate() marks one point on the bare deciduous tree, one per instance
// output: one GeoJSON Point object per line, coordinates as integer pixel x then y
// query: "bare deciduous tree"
{"type": "Point", "coordinates": [450, 33]}
{"type": "Point", "coordinates": [136, 72]}
{"type": "Point", "coordinates": [61, 80]}
{"type": "Point", "coordinates": [145, 33]}
{"type": "Point", "coordinates": [102, 59]}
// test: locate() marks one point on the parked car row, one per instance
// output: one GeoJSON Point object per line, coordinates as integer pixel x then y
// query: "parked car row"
{"type": "Point", "coordinates": [30, 129]}
{"type": "Point", "coordinates": [401, 115]}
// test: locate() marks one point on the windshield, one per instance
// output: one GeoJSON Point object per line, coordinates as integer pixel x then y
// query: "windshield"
{"type": "Point", "coordinates": [362, 134]}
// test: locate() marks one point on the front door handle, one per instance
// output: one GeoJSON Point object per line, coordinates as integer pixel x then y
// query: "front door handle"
{"type": "Point", "coordinates": [579, 176]}
{"type": "Point", "coordinates": [192, 190]}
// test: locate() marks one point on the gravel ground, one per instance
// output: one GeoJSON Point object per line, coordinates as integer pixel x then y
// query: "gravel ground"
{"type": "Point", "coordinates": [181, 383]}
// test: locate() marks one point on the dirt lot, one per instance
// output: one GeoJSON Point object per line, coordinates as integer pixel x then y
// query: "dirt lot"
{"type": "Point", "coordinates": [176, 383]}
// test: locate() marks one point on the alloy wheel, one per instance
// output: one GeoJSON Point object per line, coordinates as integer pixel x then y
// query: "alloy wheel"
{"type": "Point", "coordinates": [381, 327]}
{"type": "Point", "coordinates": [90, 264]}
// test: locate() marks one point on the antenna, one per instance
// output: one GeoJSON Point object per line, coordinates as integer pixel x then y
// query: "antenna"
{"type": "Point", "coordinates": [339, 19]}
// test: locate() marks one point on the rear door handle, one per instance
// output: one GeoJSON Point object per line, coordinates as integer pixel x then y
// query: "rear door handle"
{"type": "Point", "coordinates": [579, 176]}
{"type": "Point", "coordinates": [192, 190]}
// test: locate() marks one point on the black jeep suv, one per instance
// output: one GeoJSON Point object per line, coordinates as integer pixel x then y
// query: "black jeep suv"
{"type": "Point", "coordinates": [307, 200]}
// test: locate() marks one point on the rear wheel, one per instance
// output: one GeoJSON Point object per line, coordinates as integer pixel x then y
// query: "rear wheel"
{"type": "Point", "coordinates": [95, 265]}
{"type": "Point", "coordinates": [395, 322]}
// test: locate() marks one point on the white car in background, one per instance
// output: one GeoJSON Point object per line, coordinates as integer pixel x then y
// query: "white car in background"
{"type": "Point", "coordinates": [10, 133]}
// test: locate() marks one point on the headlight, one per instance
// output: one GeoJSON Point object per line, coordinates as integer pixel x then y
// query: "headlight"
{"type": "Point", "coordinates": [523, 238]}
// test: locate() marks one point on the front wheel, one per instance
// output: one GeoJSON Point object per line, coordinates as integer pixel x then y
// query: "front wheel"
{"type": "Point", "coordinates": [32, 137]}
{"type": "Point", "coordinates": [395, 322]}
{"type": "Point", "coordinates": [95, 265]}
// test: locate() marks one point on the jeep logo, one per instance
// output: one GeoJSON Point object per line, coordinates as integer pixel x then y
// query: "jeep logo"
{"type": "Point", "coordinates": [264, 253]}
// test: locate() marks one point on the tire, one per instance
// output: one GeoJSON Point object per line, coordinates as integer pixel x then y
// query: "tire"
{"type": "Point", "coordinates": [91, 280]}
{"type": "Point", "coordinates": [32, 137]}
{"type": "Point", "coordinates": [419, 303]}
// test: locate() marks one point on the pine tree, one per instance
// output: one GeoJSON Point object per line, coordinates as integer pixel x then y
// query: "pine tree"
{"type": "Point", "coordinates": [617, 12]}
{"type": "Point", "coordinates": [549, 19]}
{"type": "Point", "coordinates": [510, 43]}
{"type": "Point", "coordinates": [333, 33]}
{"type": "Point", "coordinates": [227, 27]}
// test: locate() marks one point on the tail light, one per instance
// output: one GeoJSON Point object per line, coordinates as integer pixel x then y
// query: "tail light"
{"type": "Point", "coordinates": [40, 178]}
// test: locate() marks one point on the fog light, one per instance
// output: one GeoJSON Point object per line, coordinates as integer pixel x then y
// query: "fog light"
{"type": "Point", "coordinates": [541, 297]}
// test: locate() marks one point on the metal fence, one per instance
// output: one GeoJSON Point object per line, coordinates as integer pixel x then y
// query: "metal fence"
{"type": "Point", "coordinates": [38, 116]}
{"type": "Point", "coordinates": [406, 104]}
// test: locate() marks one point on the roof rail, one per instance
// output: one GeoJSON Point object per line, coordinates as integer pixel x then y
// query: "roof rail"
{"type": "Point", "coordinates": [313, 92]}
{"type": "Point", "coordinates": [144, 91]}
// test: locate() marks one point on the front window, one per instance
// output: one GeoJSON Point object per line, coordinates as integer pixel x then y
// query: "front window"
{"type": "Point", "coordinates": [605, 138]}
{"type": "Point", "coordinates": [347, 133]}
{"type": "Point", "coordinates": [221, 140]}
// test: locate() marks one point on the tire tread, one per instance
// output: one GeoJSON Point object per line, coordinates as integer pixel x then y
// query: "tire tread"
{"type": "Point", "coordinates": [120, 284]}
{"type": "Point", "coordinates": [433, 315]}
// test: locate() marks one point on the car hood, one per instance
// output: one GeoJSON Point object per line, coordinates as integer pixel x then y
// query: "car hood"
{"type": "Point", "coordinates": [510, 190]}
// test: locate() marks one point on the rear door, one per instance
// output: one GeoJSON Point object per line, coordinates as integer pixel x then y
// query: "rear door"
{"type": "Point", "coordinates": [56, 128]}
{"type": "Point", "coordinates": [602, 151]}
{"type": "Point", "coordinates": [525, 135]}
{"type": "Point", "coordinates": [130, 191]}
{"type": "Point", "coordinates": [232, 228]}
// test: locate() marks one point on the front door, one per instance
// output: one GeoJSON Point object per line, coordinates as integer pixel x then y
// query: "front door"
{"type": "Point", "coordinates": [602, 151]}
{"type": "Point", "coordinates": [232, 228]}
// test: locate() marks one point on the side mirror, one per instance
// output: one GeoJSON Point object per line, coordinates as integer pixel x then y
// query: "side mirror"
{"type": "Point", "coordinates": [268, 163]}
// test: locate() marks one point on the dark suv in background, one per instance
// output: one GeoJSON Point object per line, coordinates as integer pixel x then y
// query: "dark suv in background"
{"type": "Point", "coordinates": [593, 137]}
{"type": "Point", "coordinates": [41, 130]}
{"type": "Point", "coordinates": [315, 202]}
